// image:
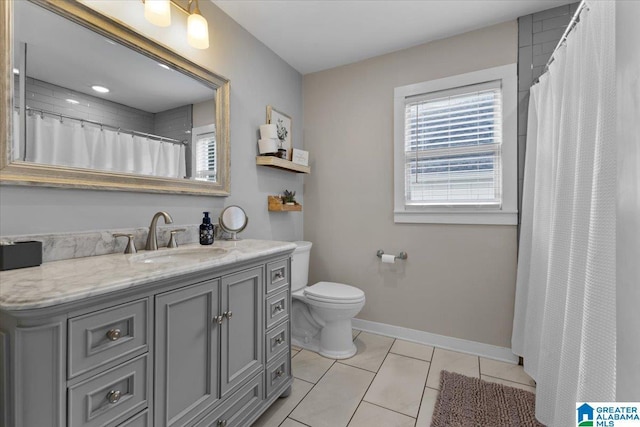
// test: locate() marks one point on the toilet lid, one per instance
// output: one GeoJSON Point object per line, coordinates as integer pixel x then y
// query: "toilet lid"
{"type": "Point", "coordinates": [330, 291]}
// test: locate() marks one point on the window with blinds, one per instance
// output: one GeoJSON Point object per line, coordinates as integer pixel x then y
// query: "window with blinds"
{"type": "Point", "coordinates": [204, 143]}
{"type": "Point", "coordinates": [453, 147]}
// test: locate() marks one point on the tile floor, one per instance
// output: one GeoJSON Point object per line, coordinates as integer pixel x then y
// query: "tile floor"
{"type": "Point", "coordinates": [390, 382]}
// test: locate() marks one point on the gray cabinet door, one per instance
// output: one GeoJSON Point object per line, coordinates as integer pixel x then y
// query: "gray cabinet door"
{"type": "Point", "coordinates": [242, 333]}
{"type": "Point", "coordinates": [187, 346]}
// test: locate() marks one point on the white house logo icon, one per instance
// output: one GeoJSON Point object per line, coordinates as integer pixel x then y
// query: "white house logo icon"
{"type": "Point", "coordinates": [585, 415]}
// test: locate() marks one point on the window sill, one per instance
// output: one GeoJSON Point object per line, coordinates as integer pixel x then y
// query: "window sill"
{"type": "Point", "coordinates": [457, 217]}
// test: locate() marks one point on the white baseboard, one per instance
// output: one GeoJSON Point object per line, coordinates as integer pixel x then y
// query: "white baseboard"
{"type": "Point", "coordinates": [448, 343]}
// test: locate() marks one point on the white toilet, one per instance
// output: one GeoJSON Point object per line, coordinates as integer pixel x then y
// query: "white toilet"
{"type": "Point", "coordinates": [322, 313]}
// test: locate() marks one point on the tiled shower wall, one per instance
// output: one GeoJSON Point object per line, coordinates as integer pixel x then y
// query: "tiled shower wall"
{"type": "Point", "coordinates": [538, 35]}
{"type": "Point", "coordinates": [49, 97]}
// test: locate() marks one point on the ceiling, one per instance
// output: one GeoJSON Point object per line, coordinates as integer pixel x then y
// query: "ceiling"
{"type": "Point", "coordinates": [314, 35]}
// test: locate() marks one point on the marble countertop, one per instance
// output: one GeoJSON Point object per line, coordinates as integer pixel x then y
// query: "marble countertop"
{"type": "Point", "coordinates": [69, 280]}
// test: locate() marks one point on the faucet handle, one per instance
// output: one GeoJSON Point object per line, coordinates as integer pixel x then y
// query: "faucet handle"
{"type": "Point", "coordinates": [131, 246]}
{"type": "Point", "coordinates": [172, 240]}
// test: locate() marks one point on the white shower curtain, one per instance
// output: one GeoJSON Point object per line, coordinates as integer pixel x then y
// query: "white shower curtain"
{"type": "Point", "coordinates": [565, 318]}
{"type": "Point", "coordinates": [68, 143]}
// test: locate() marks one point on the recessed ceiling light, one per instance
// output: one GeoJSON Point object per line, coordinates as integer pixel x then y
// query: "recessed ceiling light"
{"type": "Point", "coordinates": [72, 101]}
{"type": "Point", "coordinates": [100, 89]}
{"type": "Point", "coordinates": [166, 67]}
{"type": "Point", "coordinates": [16, 71]}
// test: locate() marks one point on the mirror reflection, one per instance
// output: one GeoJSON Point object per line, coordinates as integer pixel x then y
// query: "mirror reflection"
{"type": "Point", "coordinates": [233, 219]}
{"type": "Point", "coordinates": [84, 101]}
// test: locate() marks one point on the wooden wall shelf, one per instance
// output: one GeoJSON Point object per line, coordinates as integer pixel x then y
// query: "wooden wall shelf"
{"type": "Point", "coordinates": [279, 163]}
{"type": "Point", "coordinates": [276, 205]}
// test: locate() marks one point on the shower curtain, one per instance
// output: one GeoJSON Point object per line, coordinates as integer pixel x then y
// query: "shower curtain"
{"type": "Point", "coordinates": [565, 312]}
{"type": "Point", "coordinates": [68, 143]}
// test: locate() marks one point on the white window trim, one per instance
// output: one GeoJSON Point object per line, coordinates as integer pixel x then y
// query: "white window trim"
{"type": "Point", "coordinates": [507, 214]}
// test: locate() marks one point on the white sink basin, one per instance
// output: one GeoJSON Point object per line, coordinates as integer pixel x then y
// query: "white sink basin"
{"type": "Point", "coordinates": [179, 255]}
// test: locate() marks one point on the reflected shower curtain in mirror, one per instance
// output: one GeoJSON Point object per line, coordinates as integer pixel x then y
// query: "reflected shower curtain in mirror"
{"type": "Point", "coordinates": [69, 143]}
{"type": "Point", "coordinates": [565, 312]}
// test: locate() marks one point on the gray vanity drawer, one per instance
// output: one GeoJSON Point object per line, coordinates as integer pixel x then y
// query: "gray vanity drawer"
{"type": "Point", "coordinates": [89, 402]}
{"type": "Point", "coordinates": [277, 308]}
{"type": "Point", "coordinates": [277, 274]}
{"type": "Point", "coordinates": [277, 340]}
{"type": "Point", "coordinates": [278, 372]}
{"type": "Point", "coordinates": [239, 407]}
{"type": "Point", "coordinates": [140, 420]}
{"type": "Point", "coordinates": [106, 335]}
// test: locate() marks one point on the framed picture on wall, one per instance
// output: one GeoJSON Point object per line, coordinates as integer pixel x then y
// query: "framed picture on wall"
{"type": "Point", "coordinates": [283, 125]}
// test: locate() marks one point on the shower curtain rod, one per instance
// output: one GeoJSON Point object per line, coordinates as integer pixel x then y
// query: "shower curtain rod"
{"type": "Point", "coordinates": [574, 21]}
{"type": "Point", "coordinates": [128, 131]}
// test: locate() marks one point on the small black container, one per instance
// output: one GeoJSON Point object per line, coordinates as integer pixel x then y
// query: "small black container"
{"type": "Point", "coordinates": [206, 230]}
{"type": "Point", "coordinates": [20, 255]}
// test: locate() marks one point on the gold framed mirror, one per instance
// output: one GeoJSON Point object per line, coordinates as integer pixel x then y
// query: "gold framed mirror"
{"type": "Point", "coordinates": [46, 142]}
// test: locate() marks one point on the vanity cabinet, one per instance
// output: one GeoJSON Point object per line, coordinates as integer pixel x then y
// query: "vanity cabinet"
{"type": "Point", "coordinates": [209, 348]}
{"type": "Point", "coordinates": [208, 341]}
{"type": "Point", "coordinates": [187, 347]}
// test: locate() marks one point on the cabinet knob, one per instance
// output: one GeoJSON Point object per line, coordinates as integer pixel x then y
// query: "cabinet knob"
{"type": "Point", "coordinates": [114, 334]}
{"type": "Point", "coordinates": [278, 308]}
{"type": "Point", "coordinates": [279, 373]}
{"type": "Point", "coordinates": [222, 423]}
{"type": "Point", "coordinates": [279, 275]}
{"type": "Point", "coordinates": [113, 396]}
{"type": "Point", "coordinates": [228, 314]}
{"type": "Point", "coordinates": [218, 319]}
{"type": "Point", "coordinates": [279, 340]}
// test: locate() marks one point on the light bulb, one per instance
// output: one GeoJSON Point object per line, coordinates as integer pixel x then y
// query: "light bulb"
{"type": "Point", "coordinates": [100, 89]}
{"type": "Point", "coordinates": [158, 12]}
{"type": "Point", "coordinates": [198, 31]}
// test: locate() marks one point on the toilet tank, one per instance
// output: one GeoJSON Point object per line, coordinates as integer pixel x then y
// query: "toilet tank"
{"type": "Point", "coordinates": [300, 265]}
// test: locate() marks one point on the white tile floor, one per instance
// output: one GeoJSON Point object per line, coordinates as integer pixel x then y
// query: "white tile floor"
{"type": "Point", "coordinates": [390, 382]}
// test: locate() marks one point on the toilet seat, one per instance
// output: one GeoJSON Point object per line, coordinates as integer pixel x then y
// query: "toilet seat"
{"type": "Point", "coordinates": [335, 293]}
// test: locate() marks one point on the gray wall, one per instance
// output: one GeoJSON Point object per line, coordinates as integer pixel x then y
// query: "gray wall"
{"type": "Point", "coordinates": [628, 209]}
{"type": "Point", "coordinates": [538, 36]}
{"type": "Point", "coordinates": [258, 78]}
{"type": "Point", "coordinates": [459, 280]}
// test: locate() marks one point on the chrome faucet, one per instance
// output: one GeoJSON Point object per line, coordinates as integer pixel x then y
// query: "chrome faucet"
{"type": "Point", "coordinates": [152, 237]}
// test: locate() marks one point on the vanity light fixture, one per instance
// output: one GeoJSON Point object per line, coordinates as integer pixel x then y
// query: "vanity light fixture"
{"type": "Point", "coordinates": [158, 12]}
{"type": "Point", "coordinates": [165, 66]}
{"type": "Point", "coordinates": [72, 101]}
{"type": "Point", "coordinates": [16, 71]}
{"type": "Point", "coordinates": [100, 89]}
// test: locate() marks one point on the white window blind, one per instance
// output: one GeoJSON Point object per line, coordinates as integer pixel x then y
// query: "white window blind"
{"type": "Point", "coordinates": [205, 155]}
{"type": "Point", "coordinates": [452, 146]}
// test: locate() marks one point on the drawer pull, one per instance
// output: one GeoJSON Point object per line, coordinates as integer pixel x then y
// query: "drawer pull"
{"type": "Point", "coordinates": [279, 340]}
{"type": "Point", "coordinates": [278, 276]}
{"type": "Point", "coordinates": [277, 309]}
{"type": "Point", "coordinates": [113, 396]}
{"type": "Point", "coordinates": [279, 373]}
{"type": "Point", "coordinates": [222, 423]}
{"type": "Point", "coordinates": [114, 334]}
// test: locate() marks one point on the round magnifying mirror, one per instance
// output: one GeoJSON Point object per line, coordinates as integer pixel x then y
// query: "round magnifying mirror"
{"type": "Point", "coordinates": [233, 220]}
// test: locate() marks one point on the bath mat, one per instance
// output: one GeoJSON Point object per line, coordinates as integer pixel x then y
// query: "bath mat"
{"type": "Point", "coordinates": [470, 402]}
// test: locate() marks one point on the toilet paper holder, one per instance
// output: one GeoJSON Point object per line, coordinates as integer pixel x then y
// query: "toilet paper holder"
{"type": "Point", "coordinates": [401, 255]}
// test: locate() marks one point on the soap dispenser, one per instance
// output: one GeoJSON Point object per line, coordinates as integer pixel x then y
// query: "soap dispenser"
{"type": "Point", "coordinates": [206, 230]}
